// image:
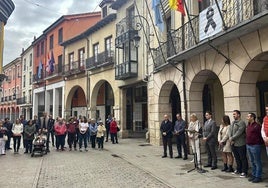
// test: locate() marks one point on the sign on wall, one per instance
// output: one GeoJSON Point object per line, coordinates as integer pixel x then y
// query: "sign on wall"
{"type": "Point", "coordinates": [210, 22]}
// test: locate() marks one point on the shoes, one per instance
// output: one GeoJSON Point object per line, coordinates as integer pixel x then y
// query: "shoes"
{"type": "Point", "coordinates": [192, 161]}
{"type": "Point", "coordinates": [47, 150]}
{"type": "Point", "coordinates": [214, 167]}
{"type": "Point", "coordinates": [256, 180]}
{"type": "Point", "coordinates": [75, 149]}
{"type": "Point", "coordinates": [251, 178]}
{"type": "Point", "coordinates": [177, 157]}
{"type": "Point", "coordinates": [230, 169]}
{"type": "Point", "coordinates": [3, 154]}
{"type": "Point", "coordinates": [80, 150]}
{"type": "Point", "coordinates": [9, 148]}
{"type": "Point", "coordinates": [208, 165]}
{"type": "Point", "coordinates": [25, 152]}
{"type": "Point", "coordinates": [185, 158]}
{"type": "Point", "coordinates": [243, 175]}
{"type": "Point", "coordinates": [235, 172]}
{"type": "Point", "coordinates": [70, 149]}
{"type": "Point", "coordinates": [86, 150]}
{"type": "Point", "coordinates": [164, 156]}
{"type": "Point", "coordinates": [171, 157]}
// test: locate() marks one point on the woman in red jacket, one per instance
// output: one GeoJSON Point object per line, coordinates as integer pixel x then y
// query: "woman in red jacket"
{"type": "Point", "coordinates": [60, 131]}
{"type": "Point", "coordinates": [113, 131]}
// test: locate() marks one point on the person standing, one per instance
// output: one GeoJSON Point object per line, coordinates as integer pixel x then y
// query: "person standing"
{"type": "Point", "coordinates": [17, 130]}
{"type": "Point", "coordinates": [71, 129]}
{"type": "Point", "coordinates": [107, 126]}
{"type": "Point", "coordinates": [83, 129]}
{"type": "Point", "coordinates": [93, 128]}
{"type": "Point", "coordinates": [3, 132]}
{"type": "Point", "coordinates": [100, 134]}
{"type": "Point", "coordinates": [8, 126]}
{"type": "Point", "coordinates": [166, 130]}
{"type": "Point", "coordinates": [113, 131]}
{"type": "Point", "coordinates": [264, 130]}
{"type": "Point", "coordinates": [50, 131]}
{"type": "Point", "coordinates": [179, 132]}
{"type": "Point", "coordinates": [193, 135]}
{"type": "Point", "coordinates": [29, 136]}
{"type": "Point", "coordinates": [237, 137]}
{"type": "Point", "coordinates": [254, 142]}
{"type": "Point", "coordinates": [225, 145]}
{"type": "Point", "coordinates": [24, 123]}
{"type": "Point", "coordinates": [60, 131]}
{"type": "Point", "coordinates": [210, 138]}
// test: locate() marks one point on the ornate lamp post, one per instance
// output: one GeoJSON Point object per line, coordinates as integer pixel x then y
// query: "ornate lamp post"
{"type": "Point", "coordinates": [6, 8]}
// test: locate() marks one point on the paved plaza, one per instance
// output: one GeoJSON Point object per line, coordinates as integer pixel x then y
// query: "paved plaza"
{"type": "Point", "coordinates": [132, 163]}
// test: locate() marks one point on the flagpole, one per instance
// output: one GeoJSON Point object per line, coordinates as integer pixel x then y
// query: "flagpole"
{"type": "Point", "coordinates": [169, 32]}
{"type": "Point", "coordinates": [190, 21]}
{"type": "Point", "coordinates": [147, 40]}
{"type": "Point", "coordinates": [156, 34]}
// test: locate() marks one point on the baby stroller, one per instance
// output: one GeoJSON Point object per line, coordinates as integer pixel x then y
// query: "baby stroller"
{"type": "Point", "coordinates": [39, 145]}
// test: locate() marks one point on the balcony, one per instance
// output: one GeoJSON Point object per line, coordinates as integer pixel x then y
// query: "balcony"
{"type": "Point", "coordinates": [103, 59]}
{"type": "Point", "coordinates": [21, 100]}
{"type": "Point", "coordinates": [74, 68]}
{"type": "Point", "coordinates": [126, 70]}
{"type": "Point", "coordinates": [52, 74]}
{"type": "Point", "coordinates": [235, 14]}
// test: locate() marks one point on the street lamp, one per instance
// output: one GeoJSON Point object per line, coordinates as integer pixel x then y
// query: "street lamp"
{"type": "Point", "coordinates": [136, 40]}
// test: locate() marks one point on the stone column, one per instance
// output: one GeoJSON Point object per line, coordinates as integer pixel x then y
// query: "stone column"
{"type": "Point", "coordinates": [56, 101]}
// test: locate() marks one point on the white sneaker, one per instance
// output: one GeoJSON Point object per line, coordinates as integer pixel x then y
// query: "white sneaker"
{"type": "Point", "coordinates": [192, 161]}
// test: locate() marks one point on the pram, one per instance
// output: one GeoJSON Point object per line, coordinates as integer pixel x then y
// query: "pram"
{"type": "Point", "coordinates": [39, 145]}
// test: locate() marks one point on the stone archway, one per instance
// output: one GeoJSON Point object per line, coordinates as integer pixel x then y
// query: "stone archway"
{"type": "Point", "coordinates": [102, 100]}
{"type": "Point", "coordinates": [169, 101]}
{"type": "Point", "coordinates": [253, 88]}
{"type": "Point", "coordinates": [206, 94]}
{"type": "Point", "coordinates": [76, 103]}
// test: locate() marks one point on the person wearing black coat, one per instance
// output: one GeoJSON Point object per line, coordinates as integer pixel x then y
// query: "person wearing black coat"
{"type": "Point", "coordinates": [8, 126]}
{"type": "Point", "coordinates": [166, 131]}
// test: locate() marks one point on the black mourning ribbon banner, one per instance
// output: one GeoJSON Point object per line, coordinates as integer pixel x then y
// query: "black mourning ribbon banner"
{"type": "Point", "coordinates": [210, 14]}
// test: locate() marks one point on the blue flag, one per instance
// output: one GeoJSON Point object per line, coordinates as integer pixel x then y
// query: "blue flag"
{"type": "Point", "coordinates": [158, 15]}
{"type": "Point", "coordinates": [40, 67]}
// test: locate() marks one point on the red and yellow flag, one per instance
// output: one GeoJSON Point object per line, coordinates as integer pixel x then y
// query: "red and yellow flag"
{"type": "Point", "coordinates": [177, 5]}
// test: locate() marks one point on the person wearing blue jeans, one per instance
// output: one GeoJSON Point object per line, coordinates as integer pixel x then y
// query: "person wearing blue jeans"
{"type": "Point", "coordinates": [83, 129]}
{"type": "Point", "coordinates": [254, 142]}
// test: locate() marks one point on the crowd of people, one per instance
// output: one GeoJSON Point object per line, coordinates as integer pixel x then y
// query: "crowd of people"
{"type": "Point", "coordinates": [77, 131]}
{"type": "Point", "coordinates": [236, 140]}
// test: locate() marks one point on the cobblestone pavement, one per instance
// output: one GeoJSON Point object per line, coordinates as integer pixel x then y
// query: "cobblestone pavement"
{"type": "Point", "coordinates": [131, 163]}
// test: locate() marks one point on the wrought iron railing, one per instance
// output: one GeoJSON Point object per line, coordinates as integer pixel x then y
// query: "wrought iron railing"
{"type": "Point", "coordinates": [21, 100]}
{"type": "Point", "coordinates": [102, 59]}
{"type": "Point", "coordinates": [75, 67]}
{"type": "Point", "coordinates": [184, 38]}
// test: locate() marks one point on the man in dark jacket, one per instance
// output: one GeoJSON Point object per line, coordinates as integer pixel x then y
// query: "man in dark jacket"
{"type": "Point", "coordinates": [210, 137]}
{"type": "Point", "coordinates": [8, 125]}
{"type": "Point", "coordinates": [50, 132]}
{"type": "Point", "coordinates": [179, 130]}
{"type": "Point", "coordinates": [166, 131]}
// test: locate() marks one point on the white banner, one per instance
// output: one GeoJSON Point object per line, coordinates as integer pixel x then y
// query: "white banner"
{"type": "Point", "coordinates": [210, 22]}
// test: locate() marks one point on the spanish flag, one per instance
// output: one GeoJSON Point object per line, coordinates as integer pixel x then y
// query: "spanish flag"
{"type": "Point", "coordinates": [177, 5]}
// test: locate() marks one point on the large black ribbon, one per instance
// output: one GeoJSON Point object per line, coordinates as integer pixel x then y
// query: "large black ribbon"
{"type": "Point", "coordinates": [211, 22]}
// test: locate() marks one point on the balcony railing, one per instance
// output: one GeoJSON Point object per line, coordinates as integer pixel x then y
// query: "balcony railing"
{"type": "Point", "coordinates": [184, 38]}
{"type": "Point", "coordinates": [74, 68]}
{"type": "Point", "coordinates": [21, 100]}
{"type": "Point", "coordinates": [126, 70]}
{"type": "Point", "coordinates": [103, 59]}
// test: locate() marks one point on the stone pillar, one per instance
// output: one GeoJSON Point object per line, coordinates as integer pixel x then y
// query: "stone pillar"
{"type": "Point", "coordinates": [55, 101]}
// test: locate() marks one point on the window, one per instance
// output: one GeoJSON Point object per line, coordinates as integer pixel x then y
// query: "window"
{"type": "Point", "coordinates": [42, 48]}
{"type": "Point", "coordinates": [31, 59]}
{"type": "Point", "coordinates": [96, 52]}
{"type": "Point", "coordinates": [71, 60]}
{"type": "Point", "coordinates": [60, 35]}
{"type": "Point", "coordinates": [81, 57]}
{"type": "Point", "coordinates": [104, 12]}
{"type": "Point", "coordinates": [24, 64]}
{"type": "Point", "coordinates": [51, 40]}
{"type": "Point", "coordinates": [108, 47]}
{"type": "Point", "coordinates": [37, 50]}
{"type": "Point", "coordinates": [30, 78]}
{"type": "Point", "coordinates": [24, 80]}
{"type": "Point", "coordinates": [60, 63]}
{"type": "Point", "coordinates": [30, 96]}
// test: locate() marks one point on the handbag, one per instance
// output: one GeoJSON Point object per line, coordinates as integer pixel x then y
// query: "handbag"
{"type": "Point", "coordinates": [5, 137]}
{"type": "Point", "coordinates": [118, 129]}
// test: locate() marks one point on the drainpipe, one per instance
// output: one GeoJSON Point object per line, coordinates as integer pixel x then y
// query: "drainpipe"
{"type": "Point", "coordinates": [88, 83]}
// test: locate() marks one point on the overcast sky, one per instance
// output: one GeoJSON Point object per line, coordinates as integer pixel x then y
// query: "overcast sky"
{"type": "Point", "coordinates": [31, 17]}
